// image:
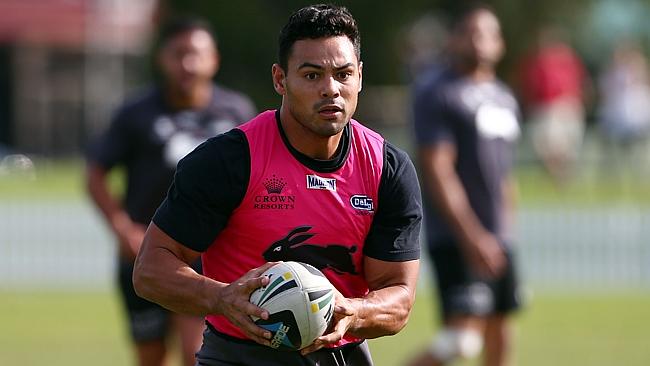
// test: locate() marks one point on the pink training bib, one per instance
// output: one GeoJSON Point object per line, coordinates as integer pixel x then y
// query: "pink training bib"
{"type": "Point", "coordinates": [291, 212]}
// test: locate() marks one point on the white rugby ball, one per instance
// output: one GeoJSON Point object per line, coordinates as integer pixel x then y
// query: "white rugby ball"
{"type": "Point", "coordinates": [300, 302]}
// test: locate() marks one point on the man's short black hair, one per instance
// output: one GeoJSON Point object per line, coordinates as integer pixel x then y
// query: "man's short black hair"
{"type": "Point", "coordinates": [317, 21]}
{"type": "Point", "coordinates": [179, 25]}
{"type": "Point", "coordinates": [459, 15]}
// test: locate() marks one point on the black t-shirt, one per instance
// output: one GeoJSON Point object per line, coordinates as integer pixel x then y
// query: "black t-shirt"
{"type": "Point", "coordinates": [218, 172]}
{"type": "Point", "coordinates": [148, 138]}
{"type": "Point", "coordinates": [481, 120]}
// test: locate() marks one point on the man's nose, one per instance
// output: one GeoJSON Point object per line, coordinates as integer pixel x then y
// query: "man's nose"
{"type": "Point", "coordinates": [189, 62]}
{"type": "Point", "coordinates": [330, 88]}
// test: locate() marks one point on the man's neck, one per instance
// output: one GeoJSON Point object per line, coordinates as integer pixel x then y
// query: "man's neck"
{"type": "Point", "coordinates": [305, 141]}
{"type": "Point", "coordinates": [197, 98]}
{"type": "Point", "coordinates": [477, 72]}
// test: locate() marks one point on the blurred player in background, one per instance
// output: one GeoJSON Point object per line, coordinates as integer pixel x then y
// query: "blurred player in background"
{"type": "Point", "coordinates": [624, 109]}
{"type": "Point", "coordinates": [466, 124]}
{"type": "Point", "coordinates": [147, 137]}
{"type": "Point", "coordinates": [304, 182]}
{"type": "Point", "coordinates": [553, 84]}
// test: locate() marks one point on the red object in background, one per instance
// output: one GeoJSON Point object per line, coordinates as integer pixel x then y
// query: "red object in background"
{"type": "Point", "coordinates": [51, 22]}
{"type": "Point", "coordinates": [551, 72]}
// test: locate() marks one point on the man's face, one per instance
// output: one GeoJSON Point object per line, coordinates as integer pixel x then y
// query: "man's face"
{"type": "Point", "coordinates": [479, 40]}
{"type": "Point", "coordinates": [321, 84]}
{"type": "Point", "coordinates": [188, 59]}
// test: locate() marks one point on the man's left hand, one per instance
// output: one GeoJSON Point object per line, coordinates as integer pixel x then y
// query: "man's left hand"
{"type": "Point", "coordinates": [345, 313]}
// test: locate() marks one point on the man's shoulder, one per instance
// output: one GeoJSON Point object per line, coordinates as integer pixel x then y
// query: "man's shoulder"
{"type": "Point", "coordinates": [368, 132]}
{"type": "Point", "coordinates": [235, 104]}
{"type": "Point", "coordinates": [225, 95]}
{"type": "Point", "coordinates": [435, 76]}
{"type": "Point", "coordinates": [143, 99]}
{"type": "Point", "coordinates": [435, 84]}
{"type": "Point", "coordinates": [234, 138]}
{"type": "Point", "coordinates": [220, 149]}
{"type": "Point", "coordinates": [503, 87]}
{"type": "Point", "coordinates": [395, 153]}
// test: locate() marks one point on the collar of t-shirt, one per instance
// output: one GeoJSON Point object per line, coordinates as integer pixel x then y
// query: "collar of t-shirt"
{"type": "Point", "coordinates": [323, 166]}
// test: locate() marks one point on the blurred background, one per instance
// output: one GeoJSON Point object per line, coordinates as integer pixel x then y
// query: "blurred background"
{"type": "Point", "coordinates": [583, 215]}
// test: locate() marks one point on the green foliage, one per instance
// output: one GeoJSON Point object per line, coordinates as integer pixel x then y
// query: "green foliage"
{"type": "Point", "coordinates": [248, 31]}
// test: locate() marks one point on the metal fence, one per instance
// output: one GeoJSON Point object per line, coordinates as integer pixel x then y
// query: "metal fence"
{"type": "Point", "coordinates": [62, 244]}
{"type": "Point", "coordinates": [585, 247]}
{"type": "Point", "coordinates": [65, 244]}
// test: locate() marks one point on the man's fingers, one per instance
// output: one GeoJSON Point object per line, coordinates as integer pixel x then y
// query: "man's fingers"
{"type": "Point", "coordinates": [335, 335]}
{"type": "Point", "coordinates": [312, 347]}
{"type": "Point", "coordinates": [253, 284]}
{"type": "Point", "coordinates": [324, 340]}
{"type": "Point", "coordinates": [254, 310]}
{"type": "Point", "coordinates": [497, 263]}
{"type": "Point", "coordinates": [254, 279]}
{"type": "Point", "coordinates": [254, 332]}
{"type": "Point", "coordinates": [242, 310]}
{"type": "Point", "coordinates": [330, 338]}
{"type": "Point", "coordinates": [259, 270]}
{"type": "Point", "coordinates": [343, 310]}
{"type": "Point", "coordinates": [493, 267]}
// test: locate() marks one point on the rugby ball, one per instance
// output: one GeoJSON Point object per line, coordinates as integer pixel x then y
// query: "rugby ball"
{"type": "Point", "coordinates": [300, 302]}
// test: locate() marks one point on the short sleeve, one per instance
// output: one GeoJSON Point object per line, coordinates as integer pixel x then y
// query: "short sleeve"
{"type": "Point", "coordinates": [431, 120]}
{"type": "Point", "coordinates": [395, 230]}
{"type": "Point", "coordinates": [247, 108]}
{"type": "Point", "coordinates": [209, 183]}
{"type": "Point", "coordinates": [113, 147]}
{"type": "Point", "coordinates": [236, 105]}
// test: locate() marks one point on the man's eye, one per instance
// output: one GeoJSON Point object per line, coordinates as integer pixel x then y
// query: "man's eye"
{"type": "Point", "coordinates": [311, 76]}
{"type": "Point", "coordinates": [344, 75]}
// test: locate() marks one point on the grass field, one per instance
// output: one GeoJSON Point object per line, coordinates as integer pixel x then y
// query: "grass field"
{"type": "Point", "coordinates": [63, 179]}
{"type": "Point", "coordinates": [85, 328]}
{"type": "Point", "coordinates": [557, 328]}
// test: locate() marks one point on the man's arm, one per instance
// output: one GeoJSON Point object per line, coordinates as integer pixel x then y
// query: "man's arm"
{"type": "Point", "coordinates": [386, 308]}
{"type": "Point", "coordinates": [510, 193]}
{"type": "Point", "coordinates": [444, 185]}
{"type": "Point", "coordinates": [384, 311]}
{"type": "Point", "coordinates": [128, 233]}
{"type": "Point", "coordinates": [162, 274]}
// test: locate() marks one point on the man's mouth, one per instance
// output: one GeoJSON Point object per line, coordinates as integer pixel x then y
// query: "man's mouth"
{"type": "Point", "coordinates": [330, 110]}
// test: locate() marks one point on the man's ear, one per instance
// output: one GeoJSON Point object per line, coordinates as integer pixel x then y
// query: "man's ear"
{"type": "Point", "coordinates": [360, 76]}
{"type": "Point", "coordinates": [217, 62]}
{"type": "Point", "coordinates": [279, 78]}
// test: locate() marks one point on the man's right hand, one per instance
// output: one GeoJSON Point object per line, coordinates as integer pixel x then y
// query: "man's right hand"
{"type": "Point", "coordinates": [129, 234]}
{"type": "Point", "coordinates": [485, 255]}
{"type": "Point", "coordinates": [233, 302]}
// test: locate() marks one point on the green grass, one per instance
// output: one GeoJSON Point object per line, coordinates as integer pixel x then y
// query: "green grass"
{"type": "Point", "coordinates": [47, 179]}
{"type": "Point", "coordinates": [555, 329]}
{"type": "Point", "coordinates": [80, 328]}
{"type": "Point", "coordinates": [61, 328]}
{"type": "Point", "coordinates": [51, 180]}
{"type": "Point", "coordinates": [588, 189]}
{"type": "Point", "coordinates": [64, 180]}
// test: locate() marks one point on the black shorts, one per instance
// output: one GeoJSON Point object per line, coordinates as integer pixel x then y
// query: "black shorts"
{"type": "Point", "coordinates": [462, 292]}
{"type": "Point", "coordinates": [221, 350]}
{"type": "Point", "coordinates": [147, 321]}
